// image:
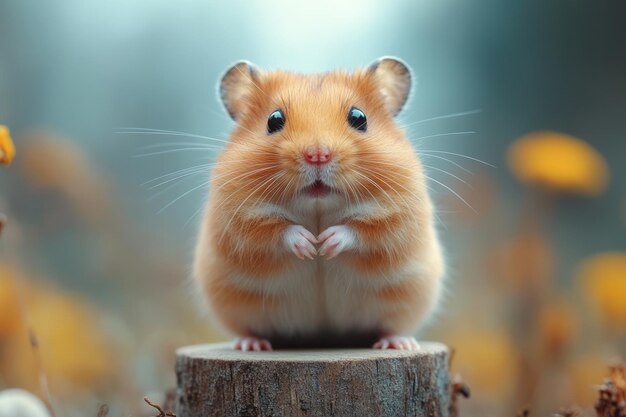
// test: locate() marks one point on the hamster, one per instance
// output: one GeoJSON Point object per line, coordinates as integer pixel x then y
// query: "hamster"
{"type": "Point", "coordinates": [318, 230]}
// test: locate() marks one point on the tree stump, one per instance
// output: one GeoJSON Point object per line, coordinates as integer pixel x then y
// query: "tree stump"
{"type": "Point", "coordinates": [215, 380]}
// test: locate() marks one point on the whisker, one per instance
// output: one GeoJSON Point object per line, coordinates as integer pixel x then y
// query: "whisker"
{"type": "Point", "coordinates": [164, 145]}
{"type": "Point", "coordinates": [410, 192]}
{"type": "Point", "coordinates": [461, 156]}
{"type": "Point", "coordinates": [169, 151]}
{"type": "Point", "coordinates": [377, 186]}
{"type": "Point", "coordinates": [432, 156]}
{"type": "Point", "coordinates": [355, 192]}
{"type": "Point", "coordinates": [380, 175]}
{"type": "Point", "coordinates": [178, 174]}
{"type": "Point", "coordinates": [182, 175]}
{"type": "Point", "coordinates": [204, 184]}
{"type": "Point", "coordinates": [453, 192]}
{"type": "Point", "coordinates": [448, 173]}
{"type": "Point", "coordinates": [450, 161]}
{"type": "Point", "coordinates": [349, 192]}
{"type": "Point", "coordinates": [283, 195]}
{"type": "Point", "coordinates": [447, 116]}
{"type": "Point", "coordinates": [242, 176]}
{"type": "Point", "coordinates": [444, 134]}
{"type": "Point", "coordinates": [246, 199]}
{"type": "Point", "coordinates": [181, 178]}
{"type": "Point", "coordinates": [171, 186]}
{"type": "Point", "coordinates": [248, 147]}
{"type": "Point", "coordinates": [366, 189]}
{"type": "Point", "coordinates": [194, 215]}
{"type": "Point", "coordinates": [229, 197]}
{"type": "Point", "coordinates": [200, 167]}
{"type": "Point", "coordinates": [274, 192]}
{"type": "Point", "coordinates": [145, 131]}
{"type": "Point", "coordinates": [180, 171]}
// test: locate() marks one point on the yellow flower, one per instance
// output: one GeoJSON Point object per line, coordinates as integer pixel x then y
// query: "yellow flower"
{"type": "Point", "coordinates": [7, 149]}
{"type": "Point", "coordinates": [604, 282]}
{"type": "Point", "coordinates": [558, 161]}
{"type": "Point", "coordinates": [10, 318]}
{"type": "Point", "coordinates": [74, 350]}
{"type": "Point", "coordinates": [486, 359]}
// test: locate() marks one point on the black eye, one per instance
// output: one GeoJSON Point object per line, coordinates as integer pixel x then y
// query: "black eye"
{"type": "Point", "coordinates": [275, 122]}
{"type": "Point", "coordinates": [357, 119]}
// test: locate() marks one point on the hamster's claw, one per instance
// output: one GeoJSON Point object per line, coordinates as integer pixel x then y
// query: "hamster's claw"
{"type": "Point", "coordinates": [336, 239]}
{"type": "Point", "coordinates": [397, 342]}
{"type": "Point", "coordinates": [249, 343]}
{"type": "Point", "coordinates": [300, 241]}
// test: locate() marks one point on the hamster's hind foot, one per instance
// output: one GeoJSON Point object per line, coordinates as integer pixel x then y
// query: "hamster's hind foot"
{"type": "Point", "coordinates": [397, 342]}
{"type": "Point", "coordinates": [249, 343]}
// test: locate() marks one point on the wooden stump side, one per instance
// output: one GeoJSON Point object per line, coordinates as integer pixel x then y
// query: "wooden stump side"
{"type": "Point", "coordinates": [215, 380]}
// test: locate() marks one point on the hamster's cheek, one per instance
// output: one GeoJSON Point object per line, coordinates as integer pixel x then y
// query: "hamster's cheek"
{"type": "Point", "coordinates": [287, 152]}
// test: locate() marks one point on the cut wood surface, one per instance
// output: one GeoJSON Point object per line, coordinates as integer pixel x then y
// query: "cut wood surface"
{"type": "Point", "coordinates": [215, 380]}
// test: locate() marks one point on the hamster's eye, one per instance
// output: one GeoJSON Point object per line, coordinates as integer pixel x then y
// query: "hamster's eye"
{"type": "Point", "coordinates": [357, 119]}
{"type": "Point", "coordinates": [275, 122]}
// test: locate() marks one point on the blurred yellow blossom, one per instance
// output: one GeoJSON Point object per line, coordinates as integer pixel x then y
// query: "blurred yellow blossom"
{"type": "Point", "coordinates": [603, 278]}
{"type": "Point", "coordinates": [486, 359]}
{"type": "Point", "coordinates": [558, 161]}
{"type": "Point", "coordinates": [7, 149]}
{"type": "Point", "coordinates": [9, 308]}
{"type": "Point", "coordinates": [74, 349]}
{"type": "Point", "coordinates": [74, 352]}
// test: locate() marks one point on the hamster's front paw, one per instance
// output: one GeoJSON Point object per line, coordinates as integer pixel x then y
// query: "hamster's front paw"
{"type": "Point", "coordinates": [336, 239]}
{"type": "Point", "coordinates": [397, 342]}
{"type": "Point", "coordinates": [300, 241]}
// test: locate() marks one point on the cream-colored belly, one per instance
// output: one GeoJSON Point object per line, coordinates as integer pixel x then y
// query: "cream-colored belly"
{"type": "Point", "coordinates": [320, 296]}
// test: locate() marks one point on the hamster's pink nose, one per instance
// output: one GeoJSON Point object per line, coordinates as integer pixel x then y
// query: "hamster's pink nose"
{"type": "Point", "coordinates": [317, 154]}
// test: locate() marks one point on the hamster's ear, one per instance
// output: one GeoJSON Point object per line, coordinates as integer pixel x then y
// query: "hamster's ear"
{"type": "Point", "coordinates": [236, 83]}
{"type": "Point", "coordinates": [394, 81]}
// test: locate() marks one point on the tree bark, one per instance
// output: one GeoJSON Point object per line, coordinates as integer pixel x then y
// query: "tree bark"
{"type": "Point", "coordinates": [215, 380]}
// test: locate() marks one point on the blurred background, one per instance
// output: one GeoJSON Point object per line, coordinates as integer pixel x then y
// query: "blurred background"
{"type": "Point", "coordinates": [101, 225]}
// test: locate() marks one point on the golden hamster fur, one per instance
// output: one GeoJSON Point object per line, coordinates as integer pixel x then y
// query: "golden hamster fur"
{"type": "Point", "coordinates": [319, 229]}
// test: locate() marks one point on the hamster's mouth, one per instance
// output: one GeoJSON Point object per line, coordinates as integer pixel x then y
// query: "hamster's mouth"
{"type": "Point", "coordinates": [318, 189]}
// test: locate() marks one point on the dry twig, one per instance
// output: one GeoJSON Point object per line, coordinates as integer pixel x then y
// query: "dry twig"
{"type": "Point", "coordinates": [162, 413]}
{"type": "Point", "coordinates": [612, 393]}
{"type": "Point", "coordinates": [457, 387]}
